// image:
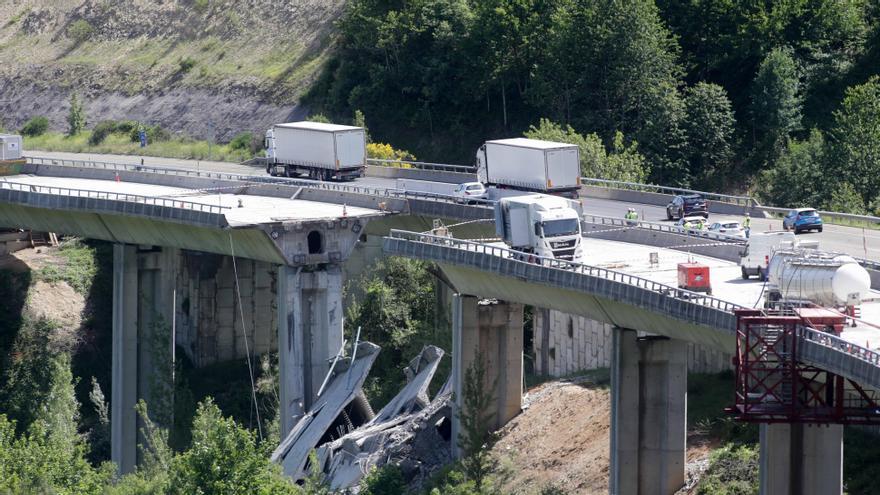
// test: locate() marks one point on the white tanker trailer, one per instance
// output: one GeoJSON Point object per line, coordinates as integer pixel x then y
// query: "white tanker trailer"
{"type": "Point", "coordinates": [825, 279]}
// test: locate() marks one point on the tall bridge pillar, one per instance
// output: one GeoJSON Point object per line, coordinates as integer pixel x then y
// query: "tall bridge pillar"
{"type": "Point", "coordinates": [493, 332]}
{"type": "Point", "coordinates": [310, 313]}
{"type": "Point", "coordinates": [801, 459]}
{"type": "Point", "coordinates": [648, 414]}
{"type": "Point", "coordinates": [143, 291]}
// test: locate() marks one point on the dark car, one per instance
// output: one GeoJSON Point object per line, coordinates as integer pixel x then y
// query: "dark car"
{"type": "Point", "coordinates": [686, 205]}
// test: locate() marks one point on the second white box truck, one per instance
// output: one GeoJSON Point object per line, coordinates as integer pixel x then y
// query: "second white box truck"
{"type": "Point", "coordinates": [317, 150]}
{"type": "Point", "coordinates": [530, 165]}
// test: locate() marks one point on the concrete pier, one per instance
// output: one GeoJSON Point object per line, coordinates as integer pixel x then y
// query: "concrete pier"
{"type": "Point", "coordinates": [143, 288]}
{"type": "Point", "coordinates": [801, 459]}
{"type": "Point", "coordinates": [309, 334]}
{"type": "Point", "coordinates": [494, 332]}
{"type": "Point", "coordinates": [648, 414]}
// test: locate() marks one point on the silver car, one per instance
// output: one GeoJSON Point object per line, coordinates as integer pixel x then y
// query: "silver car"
{"type": "Point", "coordinates": [728, 228]}
{"type": "Point", "coordinates": [469, 191]}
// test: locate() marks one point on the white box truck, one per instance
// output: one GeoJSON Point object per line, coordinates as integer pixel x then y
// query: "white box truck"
{"type": "Point", "coordinates": [530, 165]}
{"type": "Point", "coordinates": [10, 147]}
{"type": "Point", "coordinates": [547, 226]}
{"type": "Point", "coordinates": [317, 150]}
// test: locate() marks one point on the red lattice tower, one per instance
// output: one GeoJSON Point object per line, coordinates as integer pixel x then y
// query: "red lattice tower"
{"type": "Point", "coordinates": [773, 386]}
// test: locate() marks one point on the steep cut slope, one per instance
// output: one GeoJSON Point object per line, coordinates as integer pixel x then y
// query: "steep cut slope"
{"type": "Point", "coordinates": [240, 64]}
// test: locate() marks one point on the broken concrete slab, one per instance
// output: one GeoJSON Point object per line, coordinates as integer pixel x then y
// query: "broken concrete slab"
{"type": "Point", "coordinates": [330, 417]}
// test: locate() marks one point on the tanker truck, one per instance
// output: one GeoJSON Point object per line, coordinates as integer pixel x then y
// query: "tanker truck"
{"type": "Point", "coordinates": [318, 150]}
{"type": "Point", "coordinates": [821, 278]}
{"type": "Point", "coordinates": [547, 226]}
{"type": "Point", "coordinates": [530, 165]}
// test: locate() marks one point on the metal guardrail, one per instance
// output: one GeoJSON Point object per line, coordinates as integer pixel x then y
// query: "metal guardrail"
{"type": "Point", "coordinates": [825, 214]}
{"type": "Point", "coordinates": [440, 167]}
{"type": "Point", "coordinates": [840, 345]}
{"type": "Point", "coordinates": [259, 180]}
{"type": "Point", "coordinates": [113, 196]}
{"type": "Point", "coordinates": [569, 267]}
{"type": "Point", "coordinates": [745, 201]}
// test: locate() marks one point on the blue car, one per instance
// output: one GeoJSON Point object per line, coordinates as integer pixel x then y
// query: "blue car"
{"type": "Point", "coordinates": [802, 219]}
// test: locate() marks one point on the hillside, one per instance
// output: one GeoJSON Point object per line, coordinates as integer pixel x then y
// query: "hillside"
{"type": "Point", "coordinates": [241, 64]}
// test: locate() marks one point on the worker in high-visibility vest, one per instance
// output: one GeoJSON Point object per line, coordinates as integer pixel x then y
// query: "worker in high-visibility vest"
{"type": "Point", "coordinates": [631, 216]}
{"type": "Point", "coordinates": [687, 225]}
{"type": "Point", "coordinates": [747, 224]}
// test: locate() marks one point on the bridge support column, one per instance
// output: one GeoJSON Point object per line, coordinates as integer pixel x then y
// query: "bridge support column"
{"type": "Point", "coordinates": [310, 312]}
{"type": "Point", "coordinates": [648, 414]}
{"type": "Point", "coordinates": [143, 293]}
{"type": "Point", "coordinates": [801, 459]}
{"type": "Point", "coordinates": [492, 332]}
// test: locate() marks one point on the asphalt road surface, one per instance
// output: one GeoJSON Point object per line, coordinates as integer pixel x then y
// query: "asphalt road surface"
{"type": "Point", "coordinates": [864, 243]}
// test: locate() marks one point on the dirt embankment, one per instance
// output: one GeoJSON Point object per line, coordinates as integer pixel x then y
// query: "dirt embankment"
{"type": "Point", "coordinates": [562, 440]}
{"type": "Point", "coordinates": [200, 67]}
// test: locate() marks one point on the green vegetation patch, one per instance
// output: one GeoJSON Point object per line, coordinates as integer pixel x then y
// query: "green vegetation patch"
{"type": "Point", "coordinates": [78, 270]}
{"type": "Point", "coordinates": [733, 470]}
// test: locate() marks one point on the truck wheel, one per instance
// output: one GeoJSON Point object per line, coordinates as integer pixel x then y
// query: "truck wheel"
{"type": "Point", "coordinates": [761, 275]}
{"type": "Point", "coordinates": [745, 273]}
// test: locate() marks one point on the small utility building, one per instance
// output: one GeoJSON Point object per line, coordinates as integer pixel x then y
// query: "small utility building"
{"type": "Point", "coordinates": [10, 147]}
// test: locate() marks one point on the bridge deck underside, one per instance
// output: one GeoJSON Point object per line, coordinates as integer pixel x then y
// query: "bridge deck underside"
{"type": "Point", "coordinates": [248, 243]}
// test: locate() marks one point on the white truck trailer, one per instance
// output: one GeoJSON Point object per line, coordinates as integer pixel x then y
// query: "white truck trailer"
{"type": "Point", "coordinates": [317, 150]}
{"type": "Point", "coordinates": [530, 165]}
{"type": "Point", "coordinates": [547, 226]}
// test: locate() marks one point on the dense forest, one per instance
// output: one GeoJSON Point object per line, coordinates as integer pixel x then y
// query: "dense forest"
{"type": "Point", "coordinates": [777, 98]}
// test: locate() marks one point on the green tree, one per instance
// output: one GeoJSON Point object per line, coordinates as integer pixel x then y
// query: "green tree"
{"type": "Point", "coordinates": [475, 417]}
{"type": "Point", "coordinates": [710, 134]}
{"type": "Point", "coordinates": [845, 199]}
{"type": "Point", "coordinates": [799, 177]}
{"type": "Point", "coordinates": [394, 307]}
{"type": "Point", "coordinates": [623, 163]}
{"type": "Point", "coordinates": [225, 459]}
{"type": "Point", "coordinates": [776, 105]}
{"type": "Point", "coordinates": [76, 117]}
{"type": "Point", "coordinates": [856, 139]}
{"type": "Point", "coordinates": [49, 457]}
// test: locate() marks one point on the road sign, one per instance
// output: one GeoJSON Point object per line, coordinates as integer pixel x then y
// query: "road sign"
{"type": "Point", "coordinates": [142, 135]}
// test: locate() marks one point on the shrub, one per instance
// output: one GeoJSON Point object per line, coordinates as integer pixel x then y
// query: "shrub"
{"type": "Point", "coordinates": [242, 141]}
{"type": "Point", "coordinates": [155, 133]}
{"type": "Point", "coordinates": [80, 30]}
{"type": "Point", "coordinates": [76, 116]}
{"type": "Point", "coordinates": [101, 131]}
{"type": "Point", "coordinates": [388, 480]}
{"type": "Point", "coordinates": [186, 64]}
{"type": "Point", "coordinates": [36, 126]}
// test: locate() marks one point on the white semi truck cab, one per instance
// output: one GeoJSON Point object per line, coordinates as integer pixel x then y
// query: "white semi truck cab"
{"type": "Point", "coordinates": [547, 226]}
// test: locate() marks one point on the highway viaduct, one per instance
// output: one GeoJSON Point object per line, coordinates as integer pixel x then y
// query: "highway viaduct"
{"type": "Point", "coordinates": [201, 212]}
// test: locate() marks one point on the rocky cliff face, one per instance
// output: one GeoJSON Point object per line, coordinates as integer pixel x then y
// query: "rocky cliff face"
{"type": "Point", "coordinates": [188, 65]}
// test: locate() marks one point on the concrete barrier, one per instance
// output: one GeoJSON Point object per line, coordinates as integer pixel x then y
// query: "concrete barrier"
{"type": "Point", "coordinates": [417, 174]}
{"type": "Point", "coordinates": [693, 244]}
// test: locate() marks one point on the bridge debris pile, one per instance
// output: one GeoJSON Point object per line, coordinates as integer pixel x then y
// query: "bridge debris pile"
{"type": "Point", "coordinates": [411, 431]}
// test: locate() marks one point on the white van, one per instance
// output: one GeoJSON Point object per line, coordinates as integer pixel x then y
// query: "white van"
{"type": "Point", "coordinates": [759, 249]}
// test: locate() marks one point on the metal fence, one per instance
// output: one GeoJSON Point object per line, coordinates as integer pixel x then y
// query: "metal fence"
{"type": "Point", "coordinates": [568, 267]}
{"type": "Point", "coordinates": [112, 196]}
{"type": "Point", "coordinates": [439, 167]}
{"type": "Point", "coordinates": [260, 180]}
{"type": "Point", "coordinates": [744, 201]}
{"type": "Point", "coordinates": [833, 342]}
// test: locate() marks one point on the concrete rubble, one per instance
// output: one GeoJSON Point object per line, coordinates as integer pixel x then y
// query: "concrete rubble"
{"type": "Point", "coordinates": [411, 431]}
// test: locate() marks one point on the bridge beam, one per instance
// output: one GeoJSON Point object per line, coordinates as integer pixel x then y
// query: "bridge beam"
{"type": "Point", "coordinates": [143, 292]}
{"type": "Point", "coordinates": [310, 313]}
{"type": "Point", "coordinates": [801, 459]}
{"type": "Point", "coordinates": [493, 332]}
{"type": "Point", "coordinates": [648, 414]}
